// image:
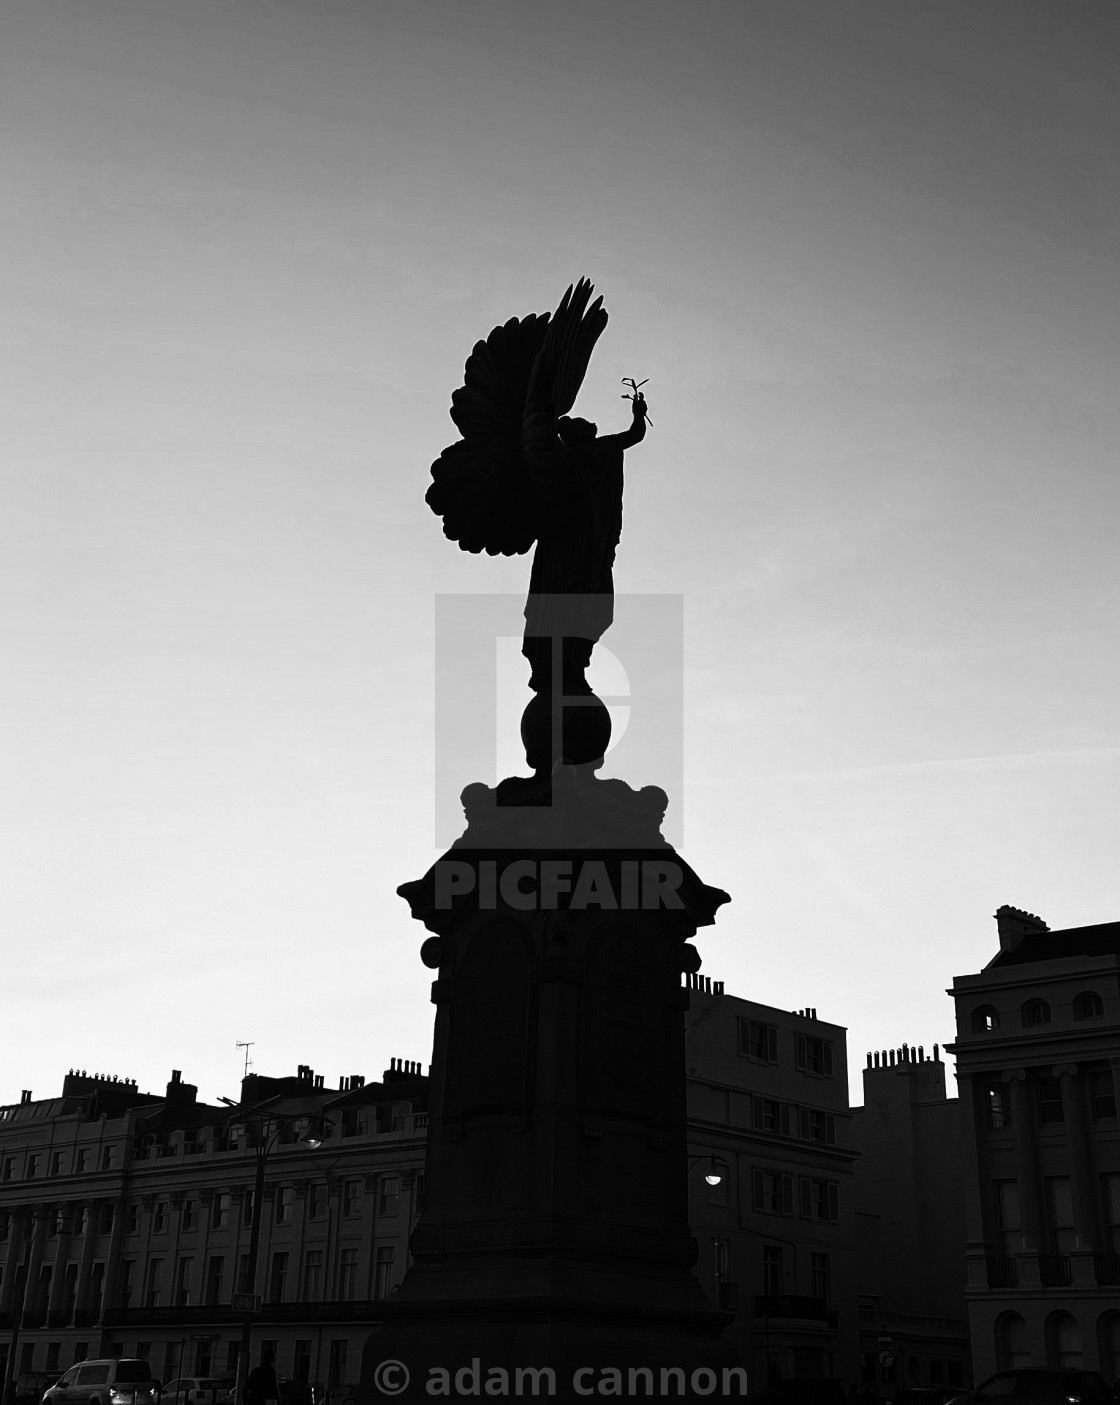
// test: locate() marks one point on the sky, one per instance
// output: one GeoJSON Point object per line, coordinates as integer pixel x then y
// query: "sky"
{"type": "Point", "coordinates": [867, 256]}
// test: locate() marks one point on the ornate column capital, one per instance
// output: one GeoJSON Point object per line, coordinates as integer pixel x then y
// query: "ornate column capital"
{"type": "Point", "coordinates": [1015, 1075]}
{"type": "Point", "coordinates": [1064, 1071]}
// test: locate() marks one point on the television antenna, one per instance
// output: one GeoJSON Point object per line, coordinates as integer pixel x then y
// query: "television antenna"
{"type": "Point", "coordinates": [246, 1044]}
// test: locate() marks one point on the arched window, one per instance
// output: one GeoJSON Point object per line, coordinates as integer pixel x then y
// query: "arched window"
{"type": "Point", "coordinates": [1063, 1340]}
{"type": "Point", "coordinates": [984, 1018]}
{"type": "Point", "coordinates": [1013, 1342]}
{"type": "Point", "coordinates": [1108, 1346]}
{"type": "Point", "coordinates": [1035, 1012]}
{"type": "Point", "coordinates": [1088, 1006]}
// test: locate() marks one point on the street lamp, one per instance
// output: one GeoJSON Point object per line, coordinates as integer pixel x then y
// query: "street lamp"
{"type": "Point", "coordinates": [713, 1175]}
{"type": "Point", "coordinates": [268, 1126]}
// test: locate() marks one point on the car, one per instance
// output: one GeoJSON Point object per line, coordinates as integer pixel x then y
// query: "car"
{"type": "Point", "coordinates": [107, 1380]}
{"type": "Point", "coordinates": [198, 1390]}
{"type": "Point", "coordinates": [30, 1385]}
{"type": "Point", "coordinates": [1030, 1386]}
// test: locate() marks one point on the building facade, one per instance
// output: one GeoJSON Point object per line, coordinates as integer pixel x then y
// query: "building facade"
{"type": "Point", "coordinates": [125, 1222]}
{"type": "Point", "coordinates": [768, 1097]}
{"type": "Point", "coordinates": [910, 1223]}
{"type": "Point", "coordinates": [1038, 1061]}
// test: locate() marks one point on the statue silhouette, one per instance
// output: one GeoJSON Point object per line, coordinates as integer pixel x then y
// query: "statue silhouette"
{"type": "Point", "coordinates": [524, 472]}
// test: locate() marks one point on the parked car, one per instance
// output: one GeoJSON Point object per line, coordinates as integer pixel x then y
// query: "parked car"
{"type": "Point", "coordinates": [30, 1386]}
{"type": "Point", "coordinates": [109, 1380]}
{"type": "Point", "coordinates": [198, 1390]}
{"type": "Point", "coordinates": [1053, 1386]}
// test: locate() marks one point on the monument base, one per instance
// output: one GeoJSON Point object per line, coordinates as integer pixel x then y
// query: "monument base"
{"type": "Point", "coordinates": [554, 1348]}
{"type": "Point", "coordinates": [554, 1256]}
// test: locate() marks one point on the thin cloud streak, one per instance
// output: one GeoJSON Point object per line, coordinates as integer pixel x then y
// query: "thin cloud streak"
{"type": "Point", "coordinates": [1015, 761]}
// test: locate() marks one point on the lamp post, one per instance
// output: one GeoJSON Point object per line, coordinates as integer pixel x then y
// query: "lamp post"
{"type": "Point", "coordinates": [714, 1176]}
{"type": "Point", "coordinates": [268, 1125]}
{"type": "Point", "coordinates": [27, 1219]}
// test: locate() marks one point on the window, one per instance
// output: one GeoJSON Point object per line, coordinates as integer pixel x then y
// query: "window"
{"type": "Point", "coordinates": [1059, 1204]}
{"type": "Point", "coordinates": [1007, 1210]}
{"type": "Point", "coordinates": [998, 1103]}
{"type": "Point", "coordinates": [219, 1215]}
{"type": "Point", "coordinates": [183, 1282]}
{"type": "Point", "coordinates": [418, 1193]}
{"type": "Point", "coordinates": [54, 1349]}
{"type": "Point", "coordinates": [312, 1275]}
{"type": "Point", "coordinates": [5, 1226]}
{"type": "Point", "coordinates": [1048, 1092]}
{"type": "Point", "coordinates": [1102, 1094]}
{"type": "Point", "coordinates": [388, 1191]}
{"type": "Point", "coordinates": [384, 1279]}
{"type": "Point", "coordinates": [816, 1126]}
{"type": "Point", "coordinates": [190, 1214]}
{"type": "Point", "coordinates": [351, 1193]}
{"type": "Point", "coordinates": [278, 1278]}
{"type": "Point", "coordinates": [1110, 1190]}
{"type": "Point", "coordinates": [106, 1158]}
{"type": "Point", "coordinates": [108, 1213]}
{"type": "Point", "coordinates": [758, 1041]}
{"type": "Point", "coordinates": [56, 1166]}
{"type": "Point", "coordinates": [203, 1357]}
{"type": "Point", "coordinates": [1088, 1006]}
{"type": "Point", "coordinates": [215, 1272]}
{"type": "Point", "coordinates": [770, 1116]}
{"type": "Point", "coordinates": [284, 1203]}
{"type": "Point", "coordinates": [133, 1221]}
{"type": "Point", "coordinates": [32, 1166]}
{"type": "Point", "coordinates": [302, 1360]}
{"type": "Point", "coordinates": [316, 1201]}
{"type": "Point", "coordinates": [159, 1217]}
{"type": "Point", "coordinates": [336, 1371]}
{"type": "Point", "coordinates": [83, 1160]}
{"type": "Point", "coordinates": [771, 1192]}
{"type": "Point", "coordinates": [243, 1283]}
{"type": "Point", "coordinates": [820, 1200]}
{"type": "Point", "coordinates": [97, 1286]}
{"type": "Point", "coordinates": [9, 1167]}
{"type": "Point", "coordinates": [247, 1208]}
{"type": "Point", "coordinates": [347, 1273]}
{"type": "Point", "coordinates": [773, 1271]}
{"type": "Point", "coordinates": [154, 1291]}
{"type": "Point", "coordinates": [124, 1280]}
{"type": "Point", "coordinates": [1035, 1012]}
{"type": "Point", "coordinates": [984, 1019]}
{"type": "Point", "coordinates": [820, 1276]}
{"type": "Point", "coordinates": [814, 1055]}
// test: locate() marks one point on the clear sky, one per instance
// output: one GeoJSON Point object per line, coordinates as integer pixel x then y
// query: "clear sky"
{"type": "Point", "coordinates": [867, 254]}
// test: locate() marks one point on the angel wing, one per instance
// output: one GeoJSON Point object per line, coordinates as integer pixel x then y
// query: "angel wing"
{"type": "Point", "coordinates": [517, 382]}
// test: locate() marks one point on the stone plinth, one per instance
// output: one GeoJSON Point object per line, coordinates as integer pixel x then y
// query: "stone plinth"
{"type": "Point", "coordinates": [555, 1227]}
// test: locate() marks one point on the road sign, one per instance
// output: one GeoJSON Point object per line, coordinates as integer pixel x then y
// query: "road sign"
{"type": "Point", "coordinates": [886, 1359]}
{"type": "Point", "coordinates": [246, 1302]}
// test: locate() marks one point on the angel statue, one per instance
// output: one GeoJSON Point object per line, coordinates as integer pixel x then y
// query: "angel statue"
{"type": "Point", "coordinates": [526, 472]}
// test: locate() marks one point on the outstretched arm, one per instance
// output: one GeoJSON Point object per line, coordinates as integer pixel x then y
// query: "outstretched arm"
{"type": "Point", "coordinates": [637, 431]}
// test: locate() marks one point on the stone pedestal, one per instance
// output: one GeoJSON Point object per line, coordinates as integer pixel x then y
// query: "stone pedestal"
{"type": "Point", "coordinates": [555, 1229]}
